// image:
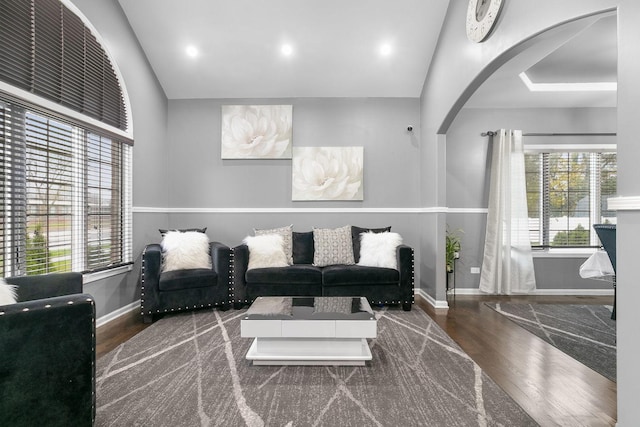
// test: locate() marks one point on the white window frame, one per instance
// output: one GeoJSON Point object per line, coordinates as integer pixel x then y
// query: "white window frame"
{"type": "Point", "coordinates": [558, 252]}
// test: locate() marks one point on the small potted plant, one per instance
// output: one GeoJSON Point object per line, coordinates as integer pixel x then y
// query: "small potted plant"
{"type": "Point", "coordinates": [452, 253]}
{"type": "Point", "coordinates": [453, 249]}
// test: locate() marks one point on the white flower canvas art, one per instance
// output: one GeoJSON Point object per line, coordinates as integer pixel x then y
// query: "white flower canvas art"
{"type": "Point", "coordinates": [257, 131]}
{"type": "Point", "coordinates": [327, 173]}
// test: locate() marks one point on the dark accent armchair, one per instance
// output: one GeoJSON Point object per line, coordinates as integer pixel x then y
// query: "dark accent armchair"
{"type": "Point", "coordinates": [47, 353]}
{"type": "Point", "coordinates": [171, 291]}
{"type": "Point", "coordinates": [607, 235]}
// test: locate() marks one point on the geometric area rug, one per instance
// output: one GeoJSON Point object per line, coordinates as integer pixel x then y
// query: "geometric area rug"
{"type": "Point", "coordinates": [584, 332]}
{"type": "Point", "coordinates": [189, 369]}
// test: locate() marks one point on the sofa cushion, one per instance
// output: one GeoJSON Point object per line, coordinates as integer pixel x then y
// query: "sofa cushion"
{"type": "Point", "coordinates": [286, 233]}
{"type": "Point", "coordinates": [182, 230]}
{"type": "Point", "coordinates": [355, 238]}
{"type": "Point", "coordinates": [358, 275]}
{"type": "Point", "coordinates": [303, 247]}
{"type": "Point", "coordinates": [8, 294]}
{"type": "Point", "coordinates": [186, 250]}
{"type": "Point", "coordinates": [332, 246]}
{"type": "Point", "coordinates": [266, 251]}
{"type": "Point", "coordinates": [255, 290]}
{"type": "Point", "coordinates": [302, 274]}
{"type": "Point", "coordinates": [379, 249]}
{"type": "Point", "coordinates": [187, 279]}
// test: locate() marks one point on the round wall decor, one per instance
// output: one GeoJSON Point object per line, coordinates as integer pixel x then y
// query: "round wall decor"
{"type": "Point", "coordinates": [481, 18]}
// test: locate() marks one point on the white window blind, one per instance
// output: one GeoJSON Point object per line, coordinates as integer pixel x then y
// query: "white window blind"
{"type": "Point", "coordinates": [66, 196]}
{"type": "Point", "coordinates": [567, 192]}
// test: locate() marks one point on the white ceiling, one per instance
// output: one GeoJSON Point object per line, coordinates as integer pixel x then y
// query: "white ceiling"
{"type": "Point", "coordinates": [336, 51]}
{"type": "Point", "coordinates": [582, 51]}
{"type": "Point", "coordinates": [335, 46]}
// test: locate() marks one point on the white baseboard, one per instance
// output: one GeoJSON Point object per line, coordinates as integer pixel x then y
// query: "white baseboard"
{"type": "Point", "coordinates": [437, 304]}
{"type": "Point", "coordinates": [573, 292]}
{"type": "Point", "coordinates": [117, 313]}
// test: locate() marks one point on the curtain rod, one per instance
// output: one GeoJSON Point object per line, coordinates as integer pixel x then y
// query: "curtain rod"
{"type": "Point", "coordinates": [492, 133]}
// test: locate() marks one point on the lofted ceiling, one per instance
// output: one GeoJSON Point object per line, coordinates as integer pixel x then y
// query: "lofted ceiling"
{"type": "Point", "coordinates": [335, 46]}
{"type": "Point", "coordinates": [335, 51]}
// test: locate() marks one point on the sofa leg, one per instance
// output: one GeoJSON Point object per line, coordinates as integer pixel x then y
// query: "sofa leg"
{"type": "Point", "coordinates": [147, 318]}
{"type": "Point", "coordinates": [406, 306]}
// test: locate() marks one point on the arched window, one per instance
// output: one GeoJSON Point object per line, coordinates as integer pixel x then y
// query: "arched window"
{"type": "Point", "coordinates": [65, 168]}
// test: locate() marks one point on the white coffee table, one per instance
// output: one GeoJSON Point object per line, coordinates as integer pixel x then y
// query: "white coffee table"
{"type": "Point", "coordinates": [309, 330]}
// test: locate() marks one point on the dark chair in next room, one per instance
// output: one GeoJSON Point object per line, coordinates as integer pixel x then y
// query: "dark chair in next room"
{"type": "Point", "coordinates": [607, 235]}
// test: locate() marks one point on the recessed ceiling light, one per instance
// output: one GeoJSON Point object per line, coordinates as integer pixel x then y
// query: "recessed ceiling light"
{"type": "Point", "coordinates": [567, 87]}
{"type": "Point", "coordinates": [286, 49]}
{"type": "Point", "coordinates": [192, 51]}
{"type": "Point", "coordinates": [385, 49]}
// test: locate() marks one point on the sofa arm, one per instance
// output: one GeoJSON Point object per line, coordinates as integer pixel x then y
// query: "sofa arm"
{"type": "Point", "coordinates": [47, 361]}
{"type": "Point", "coordinates": [404, 255]}
{"type": "Point", "coordinates": [150, 278]}
{"type": "Point", "coordinates": [46, 285]}
{"type": "Point", "coordinates": [240, 264]}
{"type": "Point", "coordinates": [221, 263]}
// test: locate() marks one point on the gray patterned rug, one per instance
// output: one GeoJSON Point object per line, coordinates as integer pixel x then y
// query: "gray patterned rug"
{"type": "Point", "coordinates": [584, 332]}
{"type": "Point", "coordinates": [189, 370]}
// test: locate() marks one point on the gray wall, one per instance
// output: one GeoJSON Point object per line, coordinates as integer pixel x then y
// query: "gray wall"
{"type": "Point", "coordinates": [628, 315]}
{"type": "Point", "coordinates": [391, 163]}
{"type": "Point", "coordinates": [149, 110]}
{"type": "Point", "coordinates": [231, 197]}
{"type": "Point", "coordinates": [467, 180]}
{"type": "Point", "coordinates": [459, 67]}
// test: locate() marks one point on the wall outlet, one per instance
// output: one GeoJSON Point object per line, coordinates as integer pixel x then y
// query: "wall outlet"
{"type": "Point", "coordinates": [475, 270]}
{"type": "Point", "coordinates": [456, 255]}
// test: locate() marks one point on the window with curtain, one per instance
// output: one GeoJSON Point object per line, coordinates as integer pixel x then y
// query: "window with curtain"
{"type": "Point", "coordinates": [65, 162]}
{"type": "Point", "coordinates": [567, 192]}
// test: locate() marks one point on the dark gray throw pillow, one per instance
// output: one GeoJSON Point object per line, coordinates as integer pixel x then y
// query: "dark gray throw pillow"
{"type": "Point", "coordinates": [303, 247]}
{"type": "Point", "coordinates": [355, 238]}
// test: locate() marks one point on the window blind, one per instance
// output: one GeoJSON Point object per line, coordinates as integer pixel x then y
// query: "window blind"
{"type": "Point", "coordinates": [46, 49]}
{"type": "Point", "coordinates": [567, 193]}
{"type": "Point", "coordinates": [65, 182]}
{"type": "Point", "coordinates": [65, 196]}
{"type": "Point", "coordinates": [13, 206]}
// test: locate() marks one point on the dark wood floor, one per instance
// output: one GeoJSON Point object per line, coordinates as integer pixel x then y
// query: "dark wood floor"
{"type": "Point", "coordinates": [114, 333]}
{"type": "Point", "coordinates": [552, 387]}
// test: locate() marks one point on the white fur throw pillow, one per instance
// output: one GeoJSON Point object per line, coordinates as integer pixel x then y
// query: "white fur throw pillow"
{"type": "Point", "coordinates": [266, 251]}
{"type": "Point", "coordinates": [7, 293]}
{"type": "Point", "coordinates": [287, 238]}
{"type": "Point", "coordinates": [185, 250]}
{"type": "Point", "coordinates": [379, 249]}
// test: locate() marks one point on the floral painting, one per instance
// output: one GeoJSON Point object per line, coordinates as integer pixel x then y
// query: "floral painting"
{"type": "Point", "coordinates": [327, 173]}
{"type": "Point", "coordinates": [256, 131]}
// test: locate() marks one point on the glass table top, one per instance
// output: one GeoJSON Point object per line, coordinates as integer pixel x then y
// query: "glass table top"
{"type": "Point", "coordinates": [307, 308]}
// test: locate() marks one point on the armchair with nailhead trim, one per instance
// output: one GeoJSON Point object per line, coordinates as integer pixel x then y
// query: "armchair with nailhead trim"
{"type": "Point", "coordinates": [172, 291]}
{"type": "Point", "coordinates": [47, 353]}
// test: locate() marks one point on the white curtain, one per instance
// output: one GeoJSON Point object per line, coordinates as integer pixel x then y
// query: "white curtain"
{"type": "Point", "coordinates": [507, 266]}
